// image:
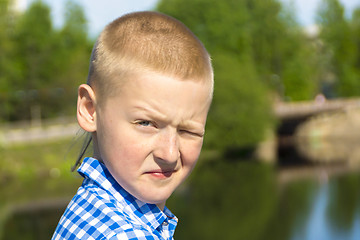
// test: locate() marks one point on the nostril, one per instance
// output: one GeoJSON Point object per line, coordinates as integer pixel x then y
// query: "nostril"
{"type": "Point", "coordinates": [169, 154]}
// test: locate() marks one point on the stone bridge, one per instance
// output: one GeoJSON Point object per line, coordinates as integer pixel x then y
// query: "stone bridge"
{"type": "Point", "coordinates": [292, 114]}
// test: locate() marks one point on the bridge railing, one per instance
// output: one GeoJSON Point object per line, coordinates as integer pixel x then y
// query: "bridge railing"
{"type": "Point", "coordinates": [284, 110]}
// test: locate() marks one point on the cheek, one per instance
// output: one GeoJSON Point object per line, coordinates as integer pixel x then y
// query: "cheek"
{"type": "Point", "coordinates": [191, 152]}
{"type": "Point", "coordinates": [131, 148]}
{"type": "Point", "coordinates": [126, 161]}
{"type": "Point", "coordinates": [133, 151]}
{"type": "Point", "coordinates": [121, 144]}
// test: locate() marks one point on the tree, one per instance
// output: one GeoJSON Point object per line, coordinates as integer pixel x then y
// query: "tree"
{"type": "Point", "coordinates": [7, 66]}
{"type": "Point", "coordinates": [5, 43]}
{"type": "Point", "coordinates": [344, 200]}
{"type": "Point", "coordinates": [340, 48]}
{"type": "Point", "coordinates": [355, 29]}
{"type": "Point", "coordinates": [282, 54]}
{"type": "Point", "coordinates": [33, 57]}
{"type": "Point", "coordinates": [213, 191]}
{"type": "Point", "coordinates": [72, 49]}
{"type": "Point", "coordinates": [299, 73]}
{"type": "Point", "coordinates": [41, 67]}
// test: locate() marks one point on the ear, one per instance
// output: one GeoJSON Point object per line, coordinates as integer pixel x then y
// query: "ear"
{"type": "Point", "coordinates": [86, 108]}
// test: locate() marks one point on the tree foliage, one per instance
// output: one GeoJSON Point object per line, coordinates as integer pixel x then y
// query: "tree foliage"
{"type": "Point", "coordinates": [237, 104]}
{"type": "Point", "coordinates": [341, 52]}
{"type": "Point", "coordinates": [212, 215]}
{"type": "Point", "coordinates": [33, 49]}
{"type": "Point", "coordinates": [41, 66]}
{"type": "Point", "coordinates": [259, 51]}
{"type": "Point", "coordinates": [73, 50]}
{"type": "Point", "coordinates": [7, 70]}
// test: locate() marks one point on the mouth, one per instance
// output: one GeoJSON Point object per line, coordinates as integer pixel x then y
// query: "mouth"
{"type": "Point", "coordinates": [161, 174]}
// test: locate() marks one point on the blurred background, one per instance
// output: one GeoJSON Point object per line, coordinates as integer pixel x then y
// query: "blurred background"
{"type": "Point", "coordinates": [281, 158]}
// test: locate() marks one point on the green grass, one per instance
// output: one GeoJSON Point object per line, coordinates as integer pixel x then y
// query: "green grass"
{"type": "Point", "coordinates": [36, 171]}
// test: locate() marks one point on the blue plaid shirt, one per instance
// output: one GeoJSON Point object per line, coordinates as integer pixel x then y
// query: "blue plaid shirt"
{"type": "Point", "coordinates": [102, 209]}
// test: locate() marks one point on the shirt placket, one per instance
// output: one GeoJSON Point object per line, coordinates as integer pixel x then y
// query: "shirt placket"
{"type": "Point", "coordinates": [164, 230]}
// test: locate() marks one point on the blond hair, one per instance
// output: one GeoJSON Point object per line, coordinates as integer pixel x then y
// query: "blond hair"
{"type": "Point", "coordinates": [143, 41]}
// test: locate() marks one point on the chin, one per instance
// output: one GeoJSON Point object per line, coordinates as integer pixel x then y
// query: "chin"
{"type": "Point", "coordinates": [157, 197]}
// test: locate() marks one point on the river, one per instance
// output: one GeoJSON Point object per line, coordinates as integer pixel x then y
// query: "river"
{"type": "Point", "coordinates": [247, 200]}
{"type": "Point", "coordinates": [324, 223]}
{"type": "Point", "coordinates": [242, 199]}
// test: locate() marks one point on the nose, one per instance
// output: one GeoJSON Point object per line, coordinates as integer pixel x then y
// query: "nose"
{"type": "Point", "coordinates": [167, 146]}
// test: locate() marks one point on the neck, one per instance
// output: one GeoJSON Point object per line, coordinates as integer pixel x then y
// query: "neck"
{"type": "Point", "coordinates": [96, 153]}
{"type": "Point", "coordinates": [161, 206]}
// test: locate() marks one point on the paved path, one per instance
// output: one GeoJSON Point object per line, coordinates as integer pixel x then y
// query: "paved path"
{"type": "Point", "coordinates": [13, 135]}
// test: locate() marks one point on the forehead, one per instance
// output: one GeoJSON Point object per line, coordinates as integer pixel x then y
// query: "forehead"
{"type": "Point", "coordinates": [168, 95]}
{"type": "Point", "coordinates": [131, 78]}
{"type": "Point", "coordinates": [157, 84]}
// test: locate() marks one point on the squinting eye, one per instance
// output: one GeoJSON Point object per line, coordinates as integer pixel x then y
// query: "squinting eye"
{"type": "Point", "coordinates": [191, 133]}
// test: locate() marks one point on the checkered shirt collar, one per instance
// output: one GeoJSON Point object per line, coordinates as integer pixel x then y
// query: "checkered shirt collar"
{"type": "Point", "coordinates": [147, 213]}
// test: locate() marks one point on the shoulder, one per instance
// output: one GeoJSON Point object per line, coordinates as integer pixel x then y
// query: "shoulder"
{"type": "Point", "coordinates": [94, 214]}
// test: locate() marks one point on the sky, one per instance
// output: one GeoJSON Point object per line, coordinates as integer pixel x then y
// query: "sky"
{"type": "Point", "coordinates": [100, 12]}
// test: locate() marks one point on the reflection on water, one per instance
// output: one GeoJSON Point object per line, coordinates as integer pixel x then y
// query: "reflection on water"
{"type": "Point", "coordinates": [331, 137]}
{"type": "Point", "coordinates": [334, 215]}
{"type": "Point", "coordinates": [34, 221]}
{"type": "Point", "coordinates": [243, 200]}
{"type": "Point", "coordinates": [226, 200]}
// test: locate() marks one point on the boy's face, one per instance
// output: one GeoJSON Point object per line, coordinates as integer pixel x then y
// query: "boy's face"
{"type": "Point", "coordinates": [150, 134]}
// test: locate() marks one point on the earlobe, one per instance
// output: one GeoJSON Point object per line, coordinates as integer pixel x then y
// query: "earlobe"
{"type": "Point", "coordinates": [86, 108]}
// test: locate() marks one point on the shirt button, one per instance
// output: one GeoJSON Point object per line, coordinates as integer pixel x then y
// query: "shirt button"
{"type": "Point", "coordinates": [165, 224]}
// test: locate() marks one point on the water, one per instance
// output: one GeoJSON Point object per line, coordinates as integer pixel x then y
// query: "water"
{"type": "Point", "coordinates": [326, 221]}
{"type": "Point", "coordinates": [229, 199]}
{"type": "Point", "coordinates": [249, 202]}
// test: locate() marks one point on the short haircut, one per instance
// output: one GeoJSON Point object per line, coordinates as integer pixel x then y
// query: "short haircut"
{"type": "Point", "coordinates": [147, 41]}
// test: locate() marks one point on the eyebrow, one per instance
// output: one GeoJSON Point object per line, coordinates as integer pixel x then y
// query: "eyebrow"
{"type": "Point", "coordinates": [189, 124]}
{"type": "Point", "coordinates": [154, 113]}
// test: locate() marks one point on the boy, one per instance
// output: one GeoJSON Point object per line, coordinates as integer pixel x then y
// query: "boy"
{"type": "Point", "coordinates": [149, 90]}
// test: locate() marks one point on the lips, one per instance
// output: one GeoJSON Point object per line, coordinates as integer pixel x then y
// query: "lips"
{"type": "Point", "coordinates": [161, 173]}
